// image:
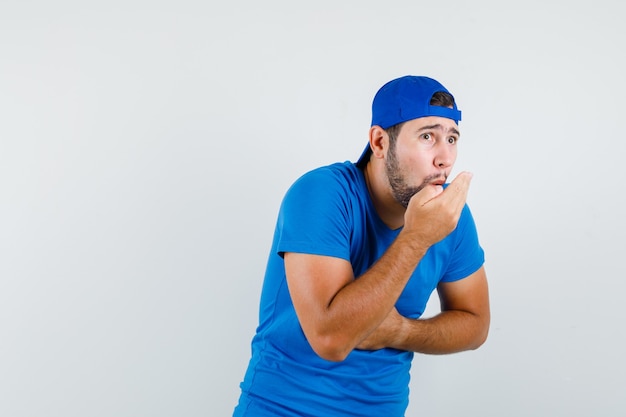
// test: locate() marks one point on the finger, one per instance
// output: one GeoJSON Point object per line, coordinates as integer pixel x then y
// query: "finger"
{"type": "Point", "coordinates": [456, 192]}
{"type": "Point", "coordinates": [427, 193]}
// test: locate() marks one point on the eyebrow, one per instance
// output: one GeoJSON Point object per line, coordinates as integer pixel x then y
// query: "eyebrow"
{"type": "Point", "coordinates": [438, 126]}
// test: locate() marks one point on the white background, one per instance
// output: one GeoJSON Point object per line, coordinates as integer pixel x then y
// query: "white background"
{"type": "Point", "coordinates": [145, 148]}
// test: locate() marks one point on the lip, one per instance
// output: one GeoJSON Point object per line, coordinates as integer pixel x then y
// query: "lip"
{"type": "Point", "coordinates": [438, 180]}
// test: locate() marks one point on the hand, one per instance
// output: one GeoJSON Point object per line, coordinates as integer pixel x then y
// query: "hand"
{"type": "Point", "coordinates": [385, 334]}
{"type": "Point", "coordinates": [433, 213]}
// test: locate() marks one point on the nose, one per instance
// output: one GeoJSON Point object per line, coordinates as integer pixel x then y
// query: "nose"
{"type": "Point", "coordinates": [444, 158]}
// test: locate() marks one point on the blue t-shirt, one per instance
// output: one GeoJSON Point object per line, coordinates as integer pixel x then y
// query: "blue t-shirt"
{"type": "Point", "coordinates": [328, 211]}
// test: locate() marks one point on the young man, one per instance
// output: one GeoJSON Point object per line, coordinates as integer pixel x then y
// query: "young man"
{"type": "Point", "coordinates": [358, 250]}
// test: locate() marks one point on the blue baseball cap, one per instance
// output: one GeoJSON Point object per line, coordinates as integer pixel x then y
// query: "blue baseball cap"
{"type": "Point", "coordinates": [407, 98]}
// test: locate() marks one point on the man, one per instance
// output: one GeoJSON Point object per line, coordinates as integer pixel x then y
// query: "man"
{"type": "Point", "coordinates": [358, 250]}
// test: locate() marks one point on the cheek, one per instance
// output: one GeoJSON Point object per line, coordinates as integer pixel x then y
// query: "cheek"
{"type": "Point", "coordinates": [424, 155]}
{"type": "Point", "coordinates": [417, 165]}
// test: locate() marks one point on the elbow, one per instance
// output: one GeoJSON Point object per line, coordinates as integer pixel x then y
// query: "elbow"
{"type": "Point", "coordinates": [479, 342]}
{"type": "Point", "coordinates": [332, 356]}
{"type": "Point", "coordinates": [481, 337]}
{"type": "Point", "coordinates": [330, 348]}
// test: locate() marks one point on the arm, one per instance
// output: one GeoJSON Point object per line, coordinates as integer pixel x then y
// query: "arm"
{"type": "Point", "coordinates": [336, 311]}
{"type": "Point", "coordinates": [463, 323]}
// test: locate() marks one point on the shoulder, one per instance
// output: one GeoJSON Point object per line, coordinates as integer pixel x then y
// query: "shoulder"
{"type": "Point", "coordinates": [339, 171]}
{"type": "Point", "coordinates": [340, 176]}
{"type": "Point", "coordinates": [334, 191]}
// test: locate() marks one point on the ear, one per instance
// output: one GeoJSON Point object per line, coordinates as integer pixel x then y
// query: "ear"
{"type": "Point", "coordinates": [379, 141]}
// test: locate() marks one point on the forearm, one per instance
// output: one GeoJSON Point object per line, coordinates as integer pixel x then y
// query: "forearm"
{"type": "Point", "coordinates": [362, 305]}
{"type": "Point", "coordinates": [448, 332]}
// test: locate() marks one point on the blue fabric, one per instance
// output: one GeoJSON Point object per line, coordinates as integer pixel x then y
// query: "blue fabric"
{"type": "Point", "coordinates": [328, 211]}
{"type": "Point", "coordinates": [408, 98]}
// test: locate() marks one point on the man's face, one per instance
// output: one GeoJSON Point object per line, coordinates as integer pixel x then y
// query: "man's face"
{"type": "Point", "coordinates": [423, 153]}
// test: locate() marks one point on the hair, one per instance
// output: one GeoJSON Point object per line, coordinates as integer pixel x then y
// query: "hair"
{"type": "Point", "coordinates": [440, 98]}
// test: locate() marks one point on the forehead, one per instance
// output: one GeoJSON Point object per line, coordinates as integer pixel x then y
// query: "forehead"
{"type": "Point", "coordinates": [442, 124]}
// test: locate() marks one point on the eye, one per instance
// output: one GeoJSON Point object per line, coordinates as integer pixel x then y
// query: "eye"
{"type": "Point", "coordinates": [452, 140]}
{"type": "Point", "coordinates": [427, 136]}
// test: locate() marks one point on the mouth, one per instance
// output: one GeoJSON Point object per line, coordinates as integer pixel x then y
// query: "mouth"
{"type": "Point", "coordinates": [438, 179]}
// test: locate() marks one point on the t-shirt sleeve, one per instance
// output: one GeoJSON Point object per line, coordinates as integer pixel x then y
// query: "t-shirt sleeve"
{"type": "Point", "coordinates": [468, 255]}
{"type": "Point", "coordinates": [314, 216]}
